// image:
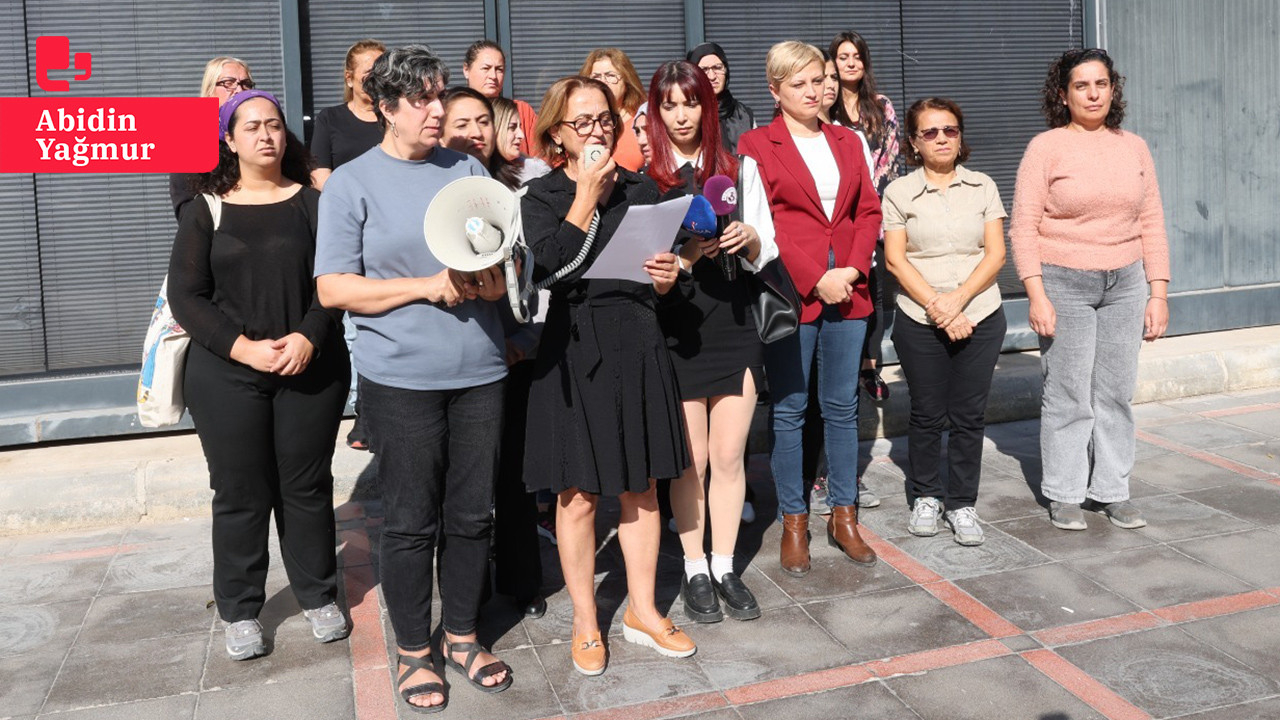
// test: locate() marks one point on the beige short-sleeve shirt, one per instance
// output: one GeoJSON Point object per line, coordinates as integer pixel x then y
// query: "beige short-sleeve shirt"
{"type": "Point", "coordinates": [945, 232]}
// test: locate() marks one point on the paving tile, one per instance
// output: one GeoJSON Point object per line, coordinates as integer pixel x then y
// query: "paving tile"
{"type": "Point", "coordinates": [831, 575]}
{"type": "Point", "coordinates": [105, 674]}
{"type": "Point", "coordinates": [188, 532]}
{"type": "Point", "coordinates": [139, 616]}
{"type": "Point", "coordinates": [1265, 422]}
{"type": "Point", "coordinates": [1000, 552]}
{"type": "Point", "coordinates": [1264, 456]}
{"type": "Point", "coordinates": [1147, 413]}
{"type": "Point", "coordinates": [1269, 708]}
{"type": "Point", "coordinates": [1145, 450]}
{"type": "Point", "coordinates": [1207, 434]}
{"type": "Point", "coordinates": [293, 655]}
{"type": "Point", "coordinates": [1181, 473]}
{"type": "Point", "coordinates": [1158, 576]}
{"type": "Point", "coordinates": [1204, 403]}
{"type": "Point", "coordinates": [35, 628]}
{"type": "Point", "coordinates": [327, 699]}
{"type": "Point", "coordinates": [780, 643]}
{"type": "Point", "coordinates": [501, 624]}
{"type": "Point", "coordinates": [967, 692]}
{"type": "Point", "coordinates": [887, 521]}
{"type": "Point", "coordinates": [166, 708]}
{"type": "Point", "coordinates": [635, 674]}
{"type": "Point", "coordinates": [1252, 556]}
{"type": "Point", "coordinates": [27, 679]}
{"type": "Point", "coordinates": [1173, 517]}
{"type": "Point", "coordinates": [1255, 501]}
{"type": "Point", "coordinates": [884, 479]}
{"type": "Point", "coordinates": [1100, 538]}
{"type": "Point", "coordinates": [892, 623]}
{"type": "Point", "coordinates": [146, 570]}
{"type": "Point", "coordinates": [1002, 497]}
{"type": "Point", "coordinates": [1167, 672]}
{"type": "Point", "coordinates": [1250, 637]}
{"type": "Point", "coordinates": [31, 582]}
{"type": "Point", "coordinates": [530, 694]}
{"type": "Point", "coordinates": [1045, 596]}
{"type": "Point", "coordinates": [105, 540]}
{"type": "Point", "coordinates": [872, 700]}
{"type": "Point", "coordinates": [722, 714]}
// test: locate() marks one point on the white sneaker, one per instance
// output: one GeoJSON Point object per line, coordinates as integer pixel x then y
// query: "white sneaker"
{"type": "Point", "coordinates": [924, 517]}
{"type": "Point", "coordinates": [328, 623]}
{"type": "Point", "coordinates": [964, 523]}
{"type": "Point", "coordinates": [244, 640]}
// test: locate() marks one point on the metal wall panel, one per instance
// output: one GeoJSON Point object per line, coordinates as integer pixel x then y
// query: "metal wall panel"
{"type": "Point", "coordinates": [332, 26]}
{"type": "Point", "coordinates": [104, 239]}
{"type": "Point", "coordinates": [551, 38]}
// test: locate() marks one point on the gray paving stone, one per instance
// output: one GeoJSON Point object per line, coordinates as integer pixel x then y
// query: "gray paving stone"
{"type": "Point", "coordinates": [196, 531]}
{"type": "Point", "coordinates": [1180, 473]}
{"type": "Point", "coordinates": [892, 623]}
{"type": "Point", "coordinates": [1252, 500]}
{"type": "Point", "coordinates": [1021, 643]}
{"type": "Point", "coordinates": [139, 616]}
{"type": "Point", "coordinates": [31, 582]}
{"type": "Point", "coordinates": [1002, 497]}
{"type": "Point", "coordinates": [1173, 517]}
{"type": "Point", "coordinates": [293, 655]}
{"type": "Point", "coordinates": [1264, 422]}
{"type": "Point", "coordinates": [780, 643]}
{"type": "Point", "coordinates": [1269, 708]}
{"type": "Point", "coordinates": [500, 625]}
{"type": "Point", "coordinates": [166, 708]}
{"type": "Point", "coordinates": [1148, 413]}
{"type": "Point", "coordinates": [164, 569]}
{"type": "Point", "coordinates": [871, 700]}
{"type": "Point", "coordinates": [35, 628]}
{"type": "Point", "coordinates": [1250, 637]}
{"type": "Point", "coordinates": [1158, 576]}
{"type": "Point", "coordinates": [28, 677]}
{"type": "Point", "coordinates": [967, 692]}
{"type": "Point", "coordinates": [106, 674]}
{"type": "Point", "coordinates": [635, 674]}
{"type": "Point", "coordinates": [884, 479]}
{"type": "Point", "coordinates": [722, 714]}
{"type": "Point", "coordinates": [1252, 556]}
{"type": "Point", "coordinates": [1264, 456]}
{"type": "Point", "coordinates": [530, 694]}
{"type": "Point", "coordinates": [1204, 403]}
{"type": "Point", "coordinates": [326, 699]}
{"type": "Point", "coordinates": [1167, 672]}
{"type": "Point", "coordinates": [104, 539]}
{"type": "Point", "coordinates": [1100, 538]}
{"type": "Point", "coordinates": [832, 574]}
{"type": "Point", "coordinates": [998, 553]}
{"type": "Point", "coordinates": [1207, 434]}
{"type": "Point", "coordinates": [1045, 596]}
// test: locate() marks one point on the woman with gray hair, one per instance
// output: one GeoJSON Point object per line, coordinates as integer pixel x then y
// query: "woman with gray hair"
{"type": "Point", "coordinates": [430, 354]}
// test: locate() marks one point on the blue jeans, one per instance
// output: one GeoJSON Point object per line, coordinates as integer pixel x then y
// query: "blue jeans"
{"type": "Point", "coordinates": [838, 344]}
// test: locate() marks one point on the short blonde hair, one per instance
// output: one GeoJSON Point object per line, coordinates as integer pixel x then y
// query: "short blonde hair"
{"type": "Point", "coordinates": [213, 69]}
{"type": "Point", "coordinates": [788, 58]}
{"type": "Point", "coordinates": [633, 90]}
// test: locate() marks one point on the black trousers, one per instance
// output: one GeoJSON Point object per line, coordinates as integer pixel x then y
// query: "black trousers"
{"type": "Point", "coordinates": [883, 288]}
{"type": "Point", "coordinates": [949, 383]}
{"type": "Point", "coordinates": [517, 554]}
{"type": "Point", "coordinates": [437, 456]}
{"type": "Point", "coordinates": [269, 444]}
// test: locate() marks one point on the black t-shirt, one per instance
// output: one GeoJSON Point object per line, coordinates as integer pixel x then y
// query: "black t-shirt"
{"type": "Point", "coordinates": [339, 136]}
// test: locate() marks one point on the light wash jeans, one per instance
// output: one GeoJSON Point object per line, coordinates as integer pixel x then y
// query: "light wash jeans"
{"type": "Point", "coordinates": [1090, 367]}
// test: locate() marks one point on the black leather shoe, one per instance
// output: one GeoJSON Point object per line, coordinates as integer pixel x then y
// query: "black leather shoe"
{"type": "Point", "coordinates": [738, 600]}
{"type": "Point", "coordinates": [535, 608]}
{"type": "Point", "coordinates": [700, 602]}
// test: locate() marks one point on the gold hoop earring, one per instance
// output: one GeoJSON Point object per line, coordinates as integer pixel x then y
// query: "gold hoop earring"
{"type": "Point", "coordinates": [394, 133]}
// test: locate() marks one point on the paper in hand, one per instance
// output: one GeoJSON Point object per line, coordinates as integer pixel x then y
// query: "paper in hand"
{"type": "Point", "coordinates": [645, 231]}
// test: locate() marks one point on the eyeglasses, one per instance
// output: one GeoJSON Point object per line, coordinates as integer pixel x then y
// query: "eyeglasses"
{"type": "Point", "coordinates": [717, 69]}
{"type": "Point", "coordinates": [583, 124]}
{"type": "Point", "coordinates": [610, 77]}
{"type": "Point", "coordinates": [950, 131]}
{"type": "Point", "coordinates": [232, 83]}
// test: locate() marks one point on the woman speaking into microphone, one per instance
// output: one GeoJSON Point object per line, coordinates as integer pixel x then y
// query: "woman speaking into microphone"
{"type": "Point", "coordinates": [715, 348]}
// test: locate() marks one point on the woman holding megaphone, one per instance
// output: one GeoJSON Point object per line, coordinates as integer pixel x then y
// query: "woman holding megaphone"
{"type": "Point", "coordinates": [715, 348]}
{"type": "Point", "coordinates": [604, 413]}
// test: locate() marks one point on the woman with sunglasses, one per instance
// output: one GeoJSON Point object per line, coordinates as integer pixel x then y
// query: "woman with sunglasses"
{"type": "Point", "coordinates": [612, 67]}
{"type": "Point", "coordinates": [944, 242]}
{"type": "Point", "coordinates": [604, 412]}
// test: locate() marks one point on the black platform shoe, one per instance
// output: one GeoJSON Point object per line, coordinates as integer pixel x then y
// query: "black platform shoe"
{"type": "Point", "coordinates": [738, 600]}
{"type": "Point", "coordinates": [700, 602]}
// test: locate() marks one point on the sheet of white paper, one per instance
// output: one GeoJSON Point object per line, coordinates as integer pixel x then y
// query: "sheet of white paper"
{"type": "Point", "coordinates": [645, 231]}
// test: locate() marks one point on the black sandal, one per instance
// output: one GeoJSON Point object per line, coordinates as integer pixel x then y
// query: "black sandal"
{"type": "Point", "coordinates": [415, 664]}
{"type": "Point", "coordinates": [473, 651]}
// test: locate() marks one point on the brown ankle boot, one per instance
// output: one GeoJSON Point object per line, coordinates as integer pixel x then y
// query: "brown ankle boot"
{"type": "Point", "coordinates": [842, 532]}
{"type": "Point", "coordinates": [795, 544]}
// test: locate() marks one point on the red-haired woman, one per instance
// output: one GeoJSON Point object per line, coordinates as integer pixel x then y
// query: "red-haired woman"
{"type": "Point", "coordinates": [718, 356]}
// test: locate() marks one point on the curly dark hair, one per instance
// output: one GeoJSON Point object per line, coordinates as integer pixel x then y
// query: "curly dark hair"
{"type": "Point", "coordinates": [296, 164]}
{"type": "Point", "coordinates": [1058, 79]}
{"type": "Point", "coordinates": [412, 72]}
{"type": "Point", "coordinates": [912, 126]}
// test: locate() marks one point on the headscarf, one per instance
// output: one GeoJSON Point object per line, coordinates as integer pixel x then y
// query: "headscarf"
{"type": "Point", "coordinates": [728, 104]}
{"type": "Point", "coordinates": [229, 108]}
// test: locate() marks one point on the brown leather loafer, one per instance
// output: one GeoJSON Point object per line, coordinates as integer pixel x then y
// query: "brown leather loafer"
{"type": "Point", "coordinates": [588, 653]}
{"type": "Point", "coordinates": [794, 554]}
{"type": "Point", "coordinates": [842, 532]}
{"type": "Point", "coordinates": [667, 639]}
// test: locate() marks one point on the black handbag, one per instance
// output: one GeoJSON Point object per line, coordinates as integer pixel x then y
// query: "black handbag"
{"type": "Point", "coordinates": [777, 304]}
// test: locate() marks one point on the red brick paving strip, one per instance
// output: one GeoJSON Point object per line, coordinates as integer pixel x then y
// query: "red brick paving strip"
{"type": "Point", "coordinates": [1095, 629]}
{"type": "Point", "coordinates": [374, 696]}
{"type": "Point", "coordinates": [670, 707]}
{"type": "Point", "coordinates": [1079, 683]}
{"type": "Point", "coordinates": [971, 609]}
{"type": "Point", "coordinates": [1208, 457]}
{"type": "Point", "coordinates": [1228, 412]}
{"type": "Point", "coordinates": [801, 684]}
{"type": "Point", "coordinates": [1214, 607]}
{"type": "Point", "coordinates": [938, 659]}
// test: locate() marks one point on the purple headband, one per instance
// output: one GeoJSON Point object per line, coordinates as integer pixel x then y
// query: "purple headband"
{"type": "Point", "coordinates": [229, 108]}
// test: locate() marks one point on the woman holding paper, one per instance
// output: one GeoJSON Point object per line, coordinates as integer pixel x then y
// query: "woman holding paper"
{"type": "Point", "coordinates": [603, 409]}
{"type": "Point", "coordinates": [826, 216]}
{"type": "Point", "coordinates": [716, 350]}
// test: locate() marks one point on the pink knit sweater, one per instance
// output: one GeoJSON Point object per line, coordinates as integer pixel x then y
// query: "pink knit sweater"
{"type": "Point", "coordinates": [1089, 201]}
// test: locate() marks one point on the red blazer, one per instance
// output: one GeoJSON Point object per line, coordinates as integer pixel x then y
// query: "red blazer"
{"type": "Point", "coordinates": [804, 234]}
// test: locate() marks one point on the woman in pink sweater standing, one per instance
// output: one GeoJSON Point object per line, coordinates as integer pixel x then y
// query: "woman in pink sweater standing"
{"type": "Point", "coordinates": [1089, 244]}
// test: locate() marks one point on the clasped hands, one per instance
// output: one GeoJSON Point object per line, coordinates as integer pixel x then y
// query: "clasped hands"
{"type": "Point", "coordinates": [289, 355]}
{"type": "Point", "coordinates": [451, 287]}
{"type": "Point", "coordinates": [946, 310]}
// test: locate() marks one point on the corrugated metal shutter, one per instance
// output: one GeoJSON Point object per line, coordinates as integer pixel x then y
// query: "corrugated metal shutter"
{"type": "Point", "coordinates": [990, 57]}
{"type": "Point", "coordinates": [332, 26]}
{"type": "Point", "coordinates": [746, 31]}
{"type": "Point", "coordinates": [105, 239]}
{"type": "Point", "coordinates": [550, 39]}
{"type": "Point", "coordinates": [21, 315]}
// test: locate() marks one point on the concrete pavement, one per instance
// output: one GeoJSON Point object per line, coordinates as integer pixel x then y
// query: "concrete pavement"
{"type": "Point", "coordinates": [1179, 619]}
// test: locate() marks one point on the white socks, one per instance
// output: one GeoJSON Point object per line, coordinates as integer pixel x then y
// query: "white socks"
{"type": "Point", "coordinates": [693, 568]}
{"type": "Point", "coordinates": [721, 565]}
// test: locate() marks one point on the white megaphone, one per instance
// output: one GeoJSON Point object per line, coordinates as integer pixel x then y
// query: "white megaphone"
{"type": "Point", "coordinates": [474, 223]}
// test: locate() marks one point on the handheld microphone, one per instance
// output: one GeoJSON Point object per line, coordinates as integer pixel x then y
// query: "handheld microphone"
{"type": "Point", "coordinates": [721, 192]}
{"type": "Point", "coordinates": [701, 218]}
